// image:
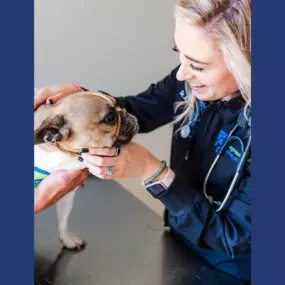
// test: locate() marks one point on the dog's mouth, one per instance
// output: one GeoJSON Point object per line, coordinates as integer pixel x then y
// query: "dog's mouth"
{"type": "Point", "coordinates": [129, 128]}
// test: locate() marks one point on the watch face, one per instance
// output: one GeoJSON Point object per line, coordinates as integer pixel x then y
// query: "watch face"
{"type": "Point", "coordinates": [155, 189]}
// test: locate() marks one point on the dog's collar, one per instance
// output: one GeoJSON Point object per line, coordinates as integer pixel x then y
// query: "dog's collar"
{"type": "Point", "coordinates": [73, 151]}
{"type": "Point", "coordinates": [39, 176]}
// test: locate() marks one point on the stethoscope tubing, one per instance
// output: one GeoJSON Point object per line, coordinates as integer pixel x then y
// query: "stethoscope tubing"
{"type": "Point", "coordinates": [244, 153]}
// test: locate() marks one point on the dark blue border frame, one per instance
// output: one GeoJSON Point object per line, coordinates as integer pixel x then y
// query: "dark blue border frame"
{"type": "Point", "coordinates": [16, 137]}
{"type": "Point", "coordinates": [268, 63]}
{"type": "Point", "coordinates": [17, 62]}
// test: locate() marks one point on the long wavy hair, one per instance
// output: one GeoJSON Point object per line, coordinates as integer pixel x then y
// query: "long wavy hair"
{"type": "Point", "coordinates": [229, 23]}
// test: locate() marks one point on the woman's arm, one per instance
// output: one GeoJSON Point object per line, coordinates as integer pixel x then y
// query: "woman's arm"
{"type": "Point", "coordinates": [195, 218]}
{"type": "Point", "coordinates": [54, 93]}
{"type": "Point", "coordinates": [154, 107]}
{"type": "Point", "coordinates": [55, 186]}
{"type": "Point", "coordinates": [59, 183]}
{"type": "Point", "coordinates": [191, 214]}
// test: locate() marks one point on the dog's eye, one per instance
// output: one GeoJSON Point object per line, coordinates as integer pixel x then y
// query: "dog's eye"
{"type": "Point", "coordinates": [110, 118]}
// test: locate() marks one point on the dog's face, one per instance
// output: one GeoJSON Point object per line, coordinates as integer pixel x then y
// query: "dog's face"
{"type": "Point", "coordinates": [84, 120]}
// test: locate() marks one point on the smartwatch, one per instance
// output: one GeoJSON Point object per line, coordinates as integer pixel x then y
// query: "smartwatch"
{"type": "Point", "coordinates": [159, 187]}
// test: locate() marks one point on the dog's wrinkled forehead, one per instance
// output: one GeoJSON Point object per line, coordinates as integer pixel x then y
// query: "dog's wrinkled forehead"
{"type": "Point", "coordinates": [86, 105]}
{"type": "Point", "coordinates": [105, 97]}
{"type": "Point", "coordinates": [109, 99]}
{"type": "Point", "coordinates": [84, 119]}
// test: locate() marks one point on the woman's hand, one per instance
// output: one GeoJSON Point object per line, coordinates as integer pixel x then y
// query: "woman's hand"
{"type": "Point", "coordinates": [133, 161]}
{"type": "Point", "coordinates": [55, 186]}
{"type": "Point", "coordinates": [54, 93]}
{"type": "Point", "coordinates": [59, 183]}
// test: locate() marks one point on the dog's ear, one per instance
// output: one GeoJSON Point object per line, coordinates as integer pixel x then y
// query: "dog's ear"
{"type": "Point", "coordinates": [52, 130]}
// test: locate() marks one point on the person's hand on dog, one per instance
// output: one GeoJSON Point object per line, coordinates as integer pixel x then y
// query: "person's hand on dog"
{"type": "Point", "coordinates": [54, 93]}
{"type": "Point", "coordinates": [57, 185]}
{"type": "Point", "coordinates": [133, 161]}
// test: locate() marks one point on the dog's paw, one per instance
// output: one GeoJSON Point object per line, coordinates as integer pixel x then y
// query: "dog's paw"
{"type": "Point", "coordinates": [71, 241]}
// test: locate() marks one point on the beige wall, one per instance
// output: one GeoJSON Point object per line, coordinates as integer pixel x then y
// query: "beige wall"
{"type": "Point", "coordinates": [117, 46]}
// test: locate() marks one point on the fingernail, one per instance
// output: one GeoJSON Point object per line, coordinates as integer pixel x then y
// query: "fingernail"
{"type": "Point", "coordinates": [49, 101]}
{"type": "Point", "coordinates": [80, 159]}
{"type": "Point", "coordinates": [84, 150]}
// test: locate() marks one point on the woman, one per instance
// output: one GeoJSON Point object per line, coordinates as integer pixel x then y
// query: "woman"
{"type": "Point", "coordinates": [207, 95]}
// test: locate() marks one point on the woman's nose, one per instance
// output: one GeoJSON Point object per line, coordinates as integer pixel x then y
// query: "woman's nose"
{"type": "Point", "coordinates": [184, 72]}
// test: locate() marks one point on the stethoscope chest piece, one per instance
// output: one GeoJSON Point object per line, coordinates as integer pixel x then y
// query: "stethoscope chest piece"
{"type": "Point", "coordinates": [185, 131]}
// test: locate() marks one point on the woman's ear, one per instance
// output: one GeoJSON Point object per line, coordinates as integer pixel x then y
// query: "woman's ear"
{"type": "Point", "coordinates": [52, 130]}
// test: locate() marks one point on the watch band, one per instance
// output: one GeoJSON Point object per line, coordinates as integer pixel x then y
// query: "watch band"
{"type": "Point", "coordinates": [159, 187]}
{"type": "Point", "coordinates": [168, 178]}
{"type": "Point", "coordinates": [154, 176]}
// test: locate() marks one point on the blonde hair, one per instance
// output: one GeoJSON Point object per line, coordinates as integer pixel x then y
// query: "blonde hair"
{"type": "Point", "coordinates": [229, 23]}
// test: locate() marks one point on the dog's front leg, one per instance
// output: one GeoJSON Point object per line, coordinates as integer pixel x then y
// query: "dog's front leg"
{"type": "Point", "coordinates": [63, 208]}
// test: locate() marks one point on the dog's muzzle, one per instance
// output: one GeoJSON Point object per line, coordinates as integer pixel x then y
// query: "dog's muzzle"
{"type": "Point", "coordinates": [129, 128]}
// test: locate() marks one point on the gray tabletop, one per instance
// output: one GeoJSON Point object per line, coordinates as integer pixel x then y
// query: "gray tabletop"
{"type": "Point", "coordinates": [126, 245]}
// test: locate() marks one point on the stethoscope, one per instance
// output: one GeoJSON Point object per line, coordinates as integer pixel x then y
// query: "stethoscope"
{"type": "Point", "coordinates": [244, 154]}
{"type": "Point", "coordinates": [242, 123]}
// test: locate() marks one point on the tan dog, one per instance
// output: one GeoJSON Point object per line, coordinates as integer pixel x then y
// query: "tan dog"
{"type": "Point", "coordinates": [61, 130]}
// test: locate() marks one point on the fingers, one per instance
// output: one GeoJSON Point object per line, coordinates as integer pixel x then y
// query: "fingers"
{"type": "Point", "coordinates": [99, 160]}
{"type": "Point", "coordinates": [54, 93]}
{"type": "Point", "coordinates": [102, 161]}
{"type": "Point", "coordinates": [57, 185]}
{"type": "Point", "coordinates": [45, 95]}
{"type": "Point", "coordinates": [64, 181]}
{"type": "Point", "coordinates": [81, 186]}
{"type": "Point", "coordinates": [57, 97]}
{"type": "Point", "coordinates": [103, 151]}
{"type": "Point", "coordinates": [83, 176]}
{"type": "Point", "coordinates": [40, 96]}
{"type": "Point", "coordinates": [101, 172]}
